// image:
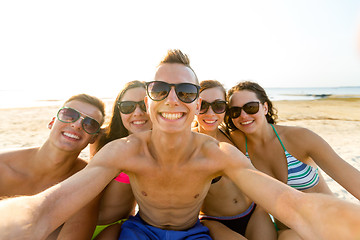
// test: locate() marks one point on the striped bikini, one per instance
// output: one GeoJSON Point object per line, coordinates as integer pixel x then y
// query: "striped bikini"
{"type": "Point", "coordinates": [300, 175]}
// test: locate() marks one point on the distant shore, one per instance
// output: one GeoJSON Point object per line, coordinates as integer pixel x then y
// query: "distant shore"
{"type": "Point", "coordinates": [335, 119]}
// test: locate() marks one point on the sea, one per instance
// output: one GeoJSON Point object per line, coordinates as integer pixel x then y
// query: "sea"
{"type": "Point", "coordinates": [25, 99]}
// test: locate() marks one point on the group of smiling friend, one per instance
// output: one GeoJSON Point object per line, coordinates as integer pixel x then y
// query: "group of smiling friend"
{"type": "Point", "coordinates": [230, 207]}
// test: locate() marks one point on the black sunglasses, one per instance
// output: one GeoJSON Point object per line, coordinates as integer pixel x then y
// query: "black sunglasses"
{"type": "Point", "coordinates": [127, 107]}
{"type": "Point", "coordinates": [218, 106]}
{"type": "Point", "coordinates": [70, 115]}
{"type": "Point", "coordinates": [249, 108]}
{"type": "Point", "coordinates": [186, 92]}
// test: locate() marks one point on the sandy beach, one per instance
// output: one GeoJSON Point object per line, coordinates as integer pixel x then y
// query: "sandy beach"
{"type": "Point", "coordinates": [337, 120]}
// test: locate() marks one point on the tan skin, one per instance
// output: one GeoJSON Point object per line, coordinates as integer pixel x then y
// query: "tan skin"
{"type": "Point", "coordinates": [268, 156]}
{"type": "Point", "coordinates": [166, 198]}
{"type": "Point", "coordinates": [30, 171]}
{"type": "Point", "coordinates": [224, 197]}
{"type": "Point", "coordinates": [118, 201]}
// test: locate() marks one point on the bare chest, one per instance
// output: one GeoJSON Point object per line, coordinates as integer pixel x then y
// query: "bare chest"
{"type": "Point", "coordinates": [171, 187]}
{"type": "Point", "coordinates": [14, 183]}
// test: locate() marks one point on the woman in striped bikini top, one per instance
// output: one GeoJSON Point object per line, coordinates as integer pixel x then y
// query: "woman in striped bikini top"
{"type": "Point", "coordinates": [250, 119]}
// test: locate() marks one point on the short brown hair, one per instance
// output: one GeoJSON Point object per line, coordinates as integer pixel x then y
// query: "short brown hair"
{"type": "Point", "coordinates": [176, 56]}
{"type": "Point", "coordinates": [89, 99]}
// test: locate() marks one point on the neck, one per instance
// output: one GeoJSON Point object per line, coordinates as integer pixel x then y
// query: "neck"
{"type": "Point", "coordinates": [213, 133]}
{"type": "Point", "coordinates": [52, 160]}
{"type": "Point", "coordinates": [173, 147]}
{"type": "Point", "coordinates": [262, 134]}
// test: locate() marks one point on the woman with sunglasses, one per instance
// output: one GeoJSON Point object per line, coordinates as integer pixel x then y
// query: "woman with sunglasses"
{"type": "Point", "coordinates": [289, 154]}
{"type": "Point", "coordinates": [227, 212]}
{"type": "Point", "coordinates": [128, 116]}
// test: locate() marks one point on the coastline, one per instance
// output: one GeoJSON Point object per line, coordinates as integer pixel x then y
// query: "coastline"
{"type": "Point", "coordinates": [337, 120]}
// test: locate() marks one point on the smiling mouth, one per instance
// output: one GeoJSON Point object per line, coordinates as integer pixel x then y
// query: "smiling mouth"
{"type": "Point", "coordinates": [73, 136]}
{"type": "Point", "coordinates": [246, 123]}
{"type": "Point", "coordinates": [172, 116]}
{"type": "Point", "coordinates": [139, 122]}
{"type": "Point", "coordinates": [210, 121]}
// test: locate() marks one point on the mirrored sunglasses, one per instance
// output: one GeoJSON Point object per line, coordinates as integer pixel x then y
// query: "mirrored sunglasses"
{"type": "Point", "coordinates": [70, 115]}
{"type": "Point", "coordinates": [186, 92]}
{"type": "Point", "coordinates": [218, 106]}
{"type": "Point", "coordinates": [127, 107]}
{"type": "Point", "coordinates": [249, 108]}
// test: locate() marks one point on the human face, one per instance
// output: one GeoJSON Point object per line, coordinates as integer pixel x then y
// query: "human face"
{"type": "Point", "coordinates": [171, 114]}
{"type": "Point", "coordinates": [71, 136]}
{"type": "Point", "coordinates": [138, 120]}
{"type": "Point", "coordinates": [247, 122]}
{"type": "Point", "coordinates": [209, 121]}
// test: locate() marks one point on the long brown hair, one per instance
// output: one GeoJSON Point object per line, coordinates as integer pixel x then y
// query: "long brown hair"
{"type": "Point", "coordinates": [271, 115]}
{"type": "Point", "coordinates": [116, 128]}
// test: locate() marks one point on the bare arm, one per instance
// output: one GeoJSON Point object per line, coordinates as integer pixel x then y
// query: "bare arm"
{"type": "Point", "coordinates": [46, 211]}
{"type": "Point", "coordinates": [305, 213]}
{"type": "Point", "coordinates": [329, 161]}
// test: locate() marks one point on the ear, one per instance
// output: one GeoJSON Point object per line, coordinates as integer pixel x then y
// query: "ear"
{"type": "Point", "coordinates": [51, 123]}
{"type": "Point", "coordinates": [266, 108]}
{"type": "Point", "coordinates": [198, 106]}
{"type": "Point", "coordinates": [146, 101]}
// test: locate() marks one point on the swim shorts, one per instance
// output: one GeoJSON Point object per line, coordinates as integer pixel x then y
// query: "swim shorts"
{"type": "Point", "coordinates": [136, 228]}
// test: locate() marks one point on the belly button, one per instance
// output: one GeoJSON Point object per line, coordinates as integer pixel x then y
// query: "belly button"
{"type": "Point", "coordinates": [144, 193]}
{"type": "Point", "coordinates": [197, 195]}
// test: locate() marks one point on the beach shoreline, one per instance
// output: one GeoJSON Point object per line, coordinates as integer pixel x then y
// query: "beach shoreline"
{"type": "Point", "coordinates": [337, 120]}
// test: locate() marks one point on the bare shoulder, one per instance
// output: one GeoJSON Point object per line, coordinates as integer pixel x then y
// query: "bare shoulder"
{"type": "Point", "coordinates": [294, 133]}
{"type": "Point", "coordinates": [216, 149]}
{"type": "Point", "coordinates": [16, 155]}
{"type": "Point", "coordinates": [121, 150]}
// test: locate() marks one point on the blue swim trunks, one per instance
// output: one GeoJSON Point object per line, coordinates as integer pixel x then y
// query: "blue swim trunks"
{"type": "Point", "coordinates": [136, 228]}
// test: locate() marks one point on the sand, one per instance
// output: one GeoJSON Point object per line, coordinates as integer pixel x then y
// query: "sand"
{"type": "Point", "coordinates": [337, 120]}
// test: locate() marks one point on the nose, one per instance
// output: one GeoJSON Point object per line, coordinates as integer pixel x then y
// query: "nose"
{"type": "Point", "coordinates": [138, 110]}
{"type": "Point", "coordinates": [172, 97]}
{"type": "Point", "coordinates": [242, 112]}
{"type": "Point", "coordinates": [210, 111]}
{"type": "Point", "coordinates": [78, 123]}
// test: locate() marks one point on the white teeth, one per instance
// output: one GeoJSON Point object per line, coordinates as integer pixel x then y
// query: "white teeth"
{"type": "Point", "coordinates": [172, 116]}
{"type": "Point", "coordinates": [210, 121]}
{"type": "Point", "coordinates": [138, 122]}
{"type": "Point", "coordinates": [245, 123]}
{"type": "Point", "coordinates": [71, 135]}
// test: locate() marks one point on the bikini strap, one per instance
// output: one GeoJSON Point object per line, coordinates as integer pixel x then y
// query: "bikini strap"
{"type": "Point", "coordinates": [225, 131]}
{"type": "Point", "coordinates": [277, 135]}
{"type": "Point", "coordinates": [246, 145]}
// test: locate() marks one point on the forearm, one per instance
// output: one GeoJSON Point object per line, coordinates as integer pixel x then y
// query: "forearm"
{"type": "Point", "coordinates": [330, 217]}
{"type": "Point", "coordinates": [66, 198]}
{"type": "Point", "coordinates": [274, 196]}
{"type": "Point", "coordinates": [19, 218]}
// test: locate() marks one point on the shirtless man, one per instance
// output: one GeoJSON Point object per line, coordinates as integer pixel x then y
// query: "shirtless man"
{"type": "Point", "coordinates": [32, 170]}
{"type": "Point", "coordinates": [170, 170]}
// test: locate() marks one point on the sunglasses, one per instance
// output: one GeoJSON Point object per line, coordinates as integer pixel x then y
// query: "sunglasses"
{"type": "Point", "coordinates": [218, 106]}
{"type": "Point", "coordinates": [127, 107]}
{"type": "Point", "coordinates": [249, 108]}
{"type": "Point", "coordinates": [70, 115]}
{"type": "Point", "coordinates": [186, 92]}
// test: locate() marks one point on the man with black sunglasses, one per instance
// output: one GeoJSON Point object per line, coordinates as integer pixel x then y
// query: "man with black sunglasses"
{"type": "Point", "coordinates": [171, 168]}
{"type": "Point", "coordinates": [31, 170]}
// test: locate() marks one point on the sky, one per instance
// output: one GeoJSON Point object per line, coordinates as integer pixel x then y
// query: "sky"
{"type": "Point", "coordinates": [56, 48]}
